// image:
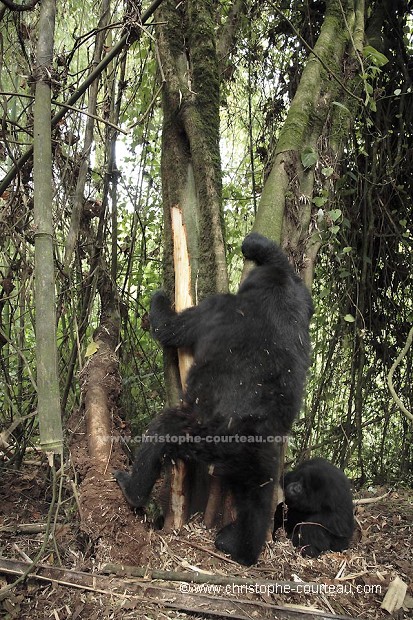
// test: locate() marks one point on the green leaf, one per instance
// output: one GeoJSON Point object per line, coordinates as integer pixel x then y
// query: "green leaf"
{"type": "Point", "coordinates": [373, 106]}
{"type": "Point", "coordinates": [349, 318]}
{"type": "Point", "coordinates": [335, 214]}
{"type": "Point", "coordinates": [92, 347]}
{"type": "Point", "coordinates": [335, 229]}
{"type": "Point", "coordinates": [347, 249]}
{"type": "Point", "coordinates": [340, 105]}
{"type": "Point", "coordinates": [319, 201]}
{"type": "Point", "coordinates": [375, 56]}
{"type": "Point", "coordinates": [327, 171]}
{"type": "Point", "coordinates": [309, 157]}
{"type": "Point", "coordinates": [397, 91]}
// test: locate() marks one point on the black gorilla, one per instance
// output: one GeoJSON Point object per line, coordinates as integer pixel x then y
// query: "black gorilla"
{"type": "Point", "coordinates": [251, 353]}
{"type": "Point", "coordinates": [319, 508]}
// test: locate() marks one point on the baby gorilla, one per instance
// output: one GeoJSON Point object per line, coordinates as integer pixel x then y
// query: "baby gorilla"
{"type": "Point", "coordinates": [319, 508]}
{"type": "Point", "coordinates": [251, 354]}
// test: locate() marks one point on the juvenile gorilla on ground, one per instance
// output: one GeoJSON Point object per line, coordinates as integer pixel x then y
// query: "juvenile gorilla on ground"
{"type": "Point", "coordinates": [319, 508]}
{"type": "Point", "coordinates": [251, 353]}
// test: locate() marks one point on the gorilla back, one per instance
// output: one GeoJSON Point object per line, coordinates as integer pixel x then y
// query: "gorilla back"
{"type": "Point", "coordinates": [251, 354]}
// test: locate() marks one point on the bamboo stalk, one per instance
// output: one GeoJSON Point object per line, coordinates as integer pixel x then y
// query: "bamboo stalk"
{"type": "Point", "coordinates": [51, 436]}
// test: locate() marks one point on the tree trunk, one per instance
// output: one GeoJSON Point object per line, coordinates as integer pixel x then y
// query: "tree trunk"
{"type": "Point", "coordinates": [191, 171]}
{"type": "Point", "coordinates": [285, 209]}
{"type": "Point", "coordinates": [100, 379]}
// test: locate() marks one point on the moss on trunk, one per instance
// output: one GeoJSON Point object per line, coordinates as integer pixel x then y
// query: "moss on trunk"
{"type": "Point", "coordinates": [191, 167]}
{"type": "Point", "coordinates": [285, 209]}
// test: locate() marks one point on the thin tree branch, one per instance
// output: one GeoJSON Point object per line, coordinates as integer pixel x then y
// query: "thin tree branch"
{"type": "Point", "coordinates": [20, 7]}
{"type": "Point", "coordinates": [391, 373]}
{"type": "Point", "coordinates": [126, 40]}
{"type": "Point", "coordinates": [71, 107]}
{"type": "Point", "coordinates": [228, 34]}
{"type": "Point", "coordinates": [320, 60]}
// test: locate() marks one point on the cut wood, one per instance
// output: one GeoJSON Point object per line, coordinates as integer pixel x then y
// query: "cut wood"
{"type": "Point", "coordinates": [24, 528]}
{"type": "Point", "coordinates": [395, 595]}
{"type": "Point", "coordinates": [183, 295]}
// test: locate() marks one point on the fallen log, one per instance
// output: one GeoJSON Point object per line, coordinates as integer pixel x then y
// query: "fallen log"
{"type": "Point", "coordinates": [184, 599]}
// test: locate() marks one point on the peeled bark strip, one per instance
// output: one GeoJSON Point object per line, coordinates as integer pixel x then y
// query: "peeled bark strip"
{"type": "Point", "coordinates": [178, 504]}
{"type": "Point", "coordinates": [213, 511]}
{"type": "Point", "coordinates": [183, 296]}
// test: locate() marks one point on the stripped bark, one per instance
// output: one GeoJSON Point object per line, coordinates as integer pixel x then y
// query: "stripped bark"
{"type": "Point", "coordinates": [178, 503]}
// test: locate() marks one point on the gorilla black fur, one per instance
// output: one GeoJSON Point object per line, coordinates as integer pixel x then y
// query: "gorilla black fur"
{"type": "Point", "coordinates": [251, 354]}
{"type": "Point", "coordinates": [319, 508]}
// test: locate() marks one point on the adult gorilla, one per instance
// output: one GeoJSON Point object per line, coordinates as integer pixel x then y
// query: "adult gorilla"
{"type": "Point", "coordinates": [251, 354]}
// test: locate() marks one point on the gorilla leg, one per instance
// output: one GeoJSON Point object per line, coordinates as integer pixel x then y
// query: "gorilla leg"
{"type": "Point", "coordinates": [138, 485]}
{"type": "Point", "coordinates": [164, 437]}
{"type": "Point", "coordinates": [245, 537]}
{"type": "Point", "coordinates": [312, 537]}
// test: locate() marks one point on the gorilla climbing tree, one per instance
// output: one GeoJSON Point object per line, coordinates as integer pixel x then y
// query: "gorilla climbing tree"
{"type": "Point", "coordinates": [244, 389]}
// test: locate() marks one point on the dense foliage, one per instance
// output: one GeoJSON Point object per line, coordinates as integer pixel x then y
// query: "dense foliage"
{"type": "Point", "coordinates": [362, 212]}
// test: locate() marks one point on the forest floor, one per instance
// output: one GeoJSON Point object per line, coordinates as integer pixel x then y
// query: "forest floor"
{"type": "Point", "coordinates": [355, 581]}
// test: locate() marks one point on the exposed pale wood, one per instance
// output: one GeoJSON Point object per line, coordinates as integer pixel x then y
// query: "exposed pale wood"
{"type": "Point", "coordinates": [370, 500]}
{"type": "Point", "coordinates": [395, 595]}
{"type": "Point", "coordinates": [178, 505]}
{"type": "Point", "coordinates": [24, 528]}
{"type": "Point", "coordinates": [213, 506]}
{"type": "Point", "coordinates": [183, 297]}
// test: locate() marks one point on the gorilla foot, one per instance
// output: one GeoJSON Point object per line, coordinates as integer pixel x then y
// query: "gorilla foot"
{"type": "Point", "coordinates": [130, 489]}
{"type": "Point", "coordinates": [229, 541]}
